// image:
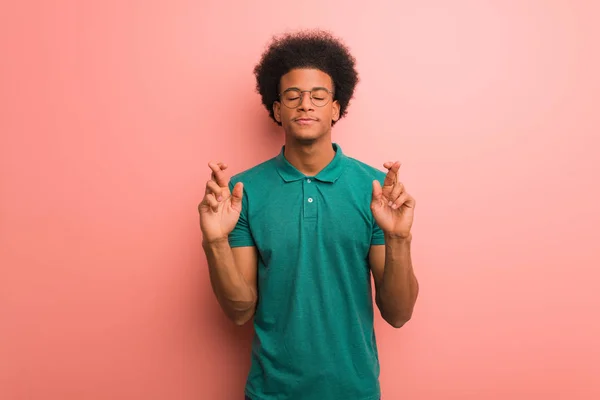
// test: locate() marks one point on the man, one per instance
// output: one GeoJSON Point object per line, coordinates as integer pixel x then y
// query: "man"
{"type": "Point", "coordinates": [292, 241]}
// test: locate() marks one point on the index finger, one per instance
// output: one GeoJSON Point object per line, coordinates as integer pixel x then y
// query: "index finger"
{"type": "Point", "coordinates": [218, 174]}
{"type": "Point", "coordinates": [392, 176]}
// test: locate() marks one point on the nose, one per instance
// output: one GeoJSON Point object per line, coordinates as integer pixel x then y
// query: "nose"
{"type": "Point", "coordinates": [305, 102]}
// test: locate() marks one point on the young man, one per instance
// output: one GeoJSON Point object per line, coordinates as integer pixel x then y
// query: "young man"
{"type": "Point", "coordinates": [292, 241]}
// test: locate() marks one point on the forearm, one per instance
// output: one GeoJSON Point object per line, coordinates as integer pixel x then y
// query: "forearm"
{"type": "Point", "coordinates": [235, 296]}
{"type": "Point", "coordinates": [399, 286]}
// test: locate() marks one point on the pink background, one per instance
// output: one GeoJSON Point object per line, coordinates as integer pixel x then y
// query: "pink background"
{"type": "Point", "coordinates": [110, 111]}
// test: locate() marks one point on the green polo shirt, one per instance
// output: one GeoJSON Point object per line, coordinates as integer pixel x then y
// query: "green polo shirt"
{"type": "Point", "coordinates": [314, 336]}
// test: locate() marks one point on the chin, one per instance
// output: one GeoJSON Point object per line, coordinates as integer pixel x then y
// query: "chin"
{"type": "Point", "coordinates": [306, 137]}
{"type": "Point", "coordinates": [309, 134]}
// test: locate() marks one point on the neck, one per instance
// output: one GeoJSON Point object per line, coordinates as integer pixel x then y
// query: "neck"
{"type": "Point", "coordinates": [309, 157]}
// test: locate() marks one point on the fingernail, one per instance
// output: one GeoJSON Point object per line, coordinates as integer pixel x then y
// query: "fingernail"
{"type": "Point", "coordinates": [389, 203]}
{"type": "Point", "coordinates": [220, 198]}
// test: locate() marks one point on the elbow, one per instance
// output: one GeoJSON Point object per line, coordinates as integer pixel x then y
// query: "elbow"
{"type": "Point", "coordinates": [400, 315]}
{"type": "Point", "coordinates": [242, 316]}
{"type": "Point", "coordinates": [396, 317]}
{"type": "Point", "coordinates": [398, 322]}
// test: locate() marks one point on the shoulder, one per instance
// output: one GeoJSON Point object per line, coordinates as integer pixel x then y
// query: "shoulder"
{"type": "Point", "coordinates": [256, 175]}
{"type": "Point", "coordinates": [359, 169]}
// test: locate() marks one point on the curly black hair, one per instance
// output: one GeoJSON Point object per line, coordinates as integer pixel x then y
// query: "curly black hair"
{"type": "Point", "coordinates": [306, 49]}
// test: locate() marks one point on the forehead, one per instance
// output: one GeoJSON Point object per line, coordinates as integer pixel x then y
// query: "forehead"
{"type": "Point", "coordinates": [306, 78]}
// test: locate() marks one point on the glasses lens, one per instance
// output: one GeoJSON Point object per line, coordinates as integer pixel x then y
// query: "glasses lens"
{"type": "Point", "coordinates": [320, 97]}
{"type": "Point", "coordinates": [291, 98]}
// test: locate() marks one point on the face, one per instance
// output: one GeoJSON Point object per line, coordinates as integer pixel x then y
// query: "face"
{"type": "Point", "coordinates": [304, 119]}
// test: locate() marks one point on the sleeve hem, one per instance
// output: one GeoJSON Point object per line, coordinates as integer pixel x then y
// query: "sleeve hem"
{"type": "Point", "coordinates": [241, 243]}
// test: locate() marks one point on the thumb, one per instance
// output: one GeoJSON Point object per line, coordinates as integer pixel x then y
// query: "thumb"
{"type": "Point", "coordinates": [236, 195]}
{"type": "Point", "coordinates": [377, 191]}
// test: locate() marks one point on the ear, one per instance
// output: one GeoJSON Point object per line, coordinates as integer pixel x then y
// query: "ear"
{"type": "Point", "coordinates": [277, 111]}
{"type": "Point", "coordinates": [335, 115]}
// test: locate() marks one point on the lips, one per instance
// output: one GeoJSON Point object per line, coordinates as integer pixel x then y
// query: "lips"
{"type": "Point", "coordinates": [304, 120]}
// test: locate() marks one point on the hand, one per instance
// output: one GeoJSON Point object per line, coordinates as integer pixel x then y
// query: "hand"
{"type": "Point", "coordinates": [392, 207]}
{"type": "Point", "coordinates": [220, 209]}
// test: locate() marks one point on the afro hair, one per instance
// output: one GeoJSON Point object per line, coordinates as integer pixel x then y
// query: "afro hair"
{"type": "Point", "coordinates": [306, 49]}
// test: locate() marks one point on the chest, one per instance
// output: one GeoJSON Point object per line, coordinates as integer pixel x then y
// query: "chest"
{"type": "Point", "coordinates": [311, 217]}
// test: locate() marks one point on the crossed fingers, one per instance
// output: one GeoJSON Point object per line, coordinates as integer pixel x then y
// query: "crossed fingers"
{"type": "Point", "coordinates": [217, 188]}
{"type": "Point", "coordinates": [393, 190]}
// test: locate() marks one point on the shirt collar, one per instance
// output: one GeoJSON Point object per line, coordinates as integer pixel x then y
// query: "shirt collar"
{"type": "Point", "coordinates": [330, 173]}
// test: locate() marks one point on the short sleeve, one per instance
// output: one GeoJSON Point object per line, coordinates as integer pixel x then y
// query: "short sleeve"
{"type": "Point", "coordinates": [241, 235]}
{"type": "Point", "coordinates": [377, 237]}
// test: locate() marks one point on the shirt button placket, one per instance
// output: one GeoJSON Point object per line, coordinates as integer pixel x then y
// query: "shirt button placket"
{"type": "Point", "coordinates": [310, 205]}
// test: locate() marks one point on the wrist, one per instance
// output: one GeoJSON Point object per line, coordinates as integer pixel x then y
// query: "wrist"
{"type": "Point", "coordinates": [215, 241]}
{"type": "Point", "coordinates": [396, 238]}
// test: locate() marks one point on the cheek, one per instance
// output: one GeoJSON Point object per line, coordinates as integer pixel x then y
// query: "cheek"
{"type": "Point", "coordinates": [284, 111]}
{"type": "Point", "coordinates": [327, 115]}
{"type": "Point", "coordinates": [285, 116]}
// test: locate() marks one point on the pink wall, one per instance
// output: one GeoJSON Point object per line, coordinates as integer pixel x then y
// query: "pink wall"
{"type": "Point", "coordinates": [109, 112]}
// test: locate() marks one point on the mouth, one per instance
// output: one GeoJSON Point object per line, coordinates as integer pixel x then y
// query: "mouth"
{"type": "Point", "coordinates": [305, 121]}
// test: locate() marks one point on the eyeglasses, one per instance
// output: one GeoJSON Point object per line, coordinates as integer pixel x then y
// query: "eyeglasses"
{"type": "Point", "coordinates": [319, 96]}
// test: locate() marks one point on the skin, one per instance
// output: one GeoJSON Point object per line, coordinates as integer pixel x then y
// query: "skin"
{"type": "Point", "coordinates": [308, 147]}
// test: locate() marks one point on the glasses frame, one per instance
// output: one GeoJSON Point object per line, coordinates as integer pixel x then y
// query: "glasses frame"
{"type": "Point", "coordinates": [330, 92]}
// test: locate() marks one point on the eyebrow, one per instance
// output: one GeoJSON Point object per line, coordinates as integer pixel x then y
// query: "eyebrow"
{"type": "Point", "coordinates": [315, 87]}
{"type": "Point", "coordinates": [297, 88]}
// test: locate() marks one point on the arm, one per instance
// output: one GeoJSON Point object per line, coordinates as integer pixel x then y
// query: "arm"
{"type": "Point", "coordinates": [233, 278]}
{"type": "Point", "coordinates": [232, 271]}
{"type": "Point", "coordinates": [396, 285]}
{"type": "Point", "coordinates": [395, 282]}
